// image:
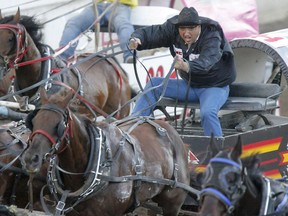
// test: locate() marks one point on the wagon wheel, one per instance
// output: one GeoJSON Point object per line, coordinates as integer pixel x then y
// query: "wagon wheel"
{"type": "Point", "coordinates": [259, 61]}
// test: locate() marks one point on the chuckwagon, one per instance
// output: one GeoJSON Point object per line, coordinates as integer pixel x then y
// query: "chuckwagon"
{"type": "Point", "coordinates": [252, 110]}
{"type": "Point", "coordinates": [254, 107]}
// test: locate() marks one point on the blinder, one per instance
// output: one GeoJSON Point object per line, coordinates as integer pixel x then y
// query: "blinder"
{"type": "Point", "coordinates": [29, 124]}
{"type": "Point", "coordinates": [226, 182]}
{"type": "Point", "coordinates": [29, 118]}
{"type": "Point", "coordinates": [230, 187]}
{"type": "Point", "coordinates": [61, 128]}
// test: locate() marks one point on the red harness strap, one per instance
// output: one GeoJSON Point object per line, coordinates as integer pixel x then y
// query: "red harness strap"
{"type": "Point", "coordinates": [47, 135]}
{"type": "Point", "coordinates": [120, 82]}
{"type": "Point", "coordinates": [50, 138]}
{"type": "Point", "coordinates": [22, 46]}
{"type": "Point", "coordinates": [22, 43]}
{"type": "Point", "coordinates": [97, 109]}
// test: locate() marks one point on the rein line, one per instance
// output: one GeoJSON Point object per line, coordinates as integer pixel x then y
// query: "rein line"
{"type": "Point", "coordinates": [82, 99]}
{"type": "Point", "coordinates": [59, 73]}
{"type": "Point", "coordinates": [149, 179]}
{"type": "Point", "coordinates": [164, 83]}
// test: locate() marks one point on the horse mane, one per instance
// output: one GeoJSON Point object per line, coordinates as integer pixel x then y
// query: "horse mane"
{"type": "Point", "coordinates": [254, 176]}
{"type": "Point", "coordinates": [33, 27]}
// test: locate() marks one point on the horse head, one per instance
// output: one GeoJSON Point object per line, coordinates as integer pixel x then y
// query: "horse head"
{"type": "Point", "coordinates": [19, 35]}
{"type": "Point", "coordinates": [8, 35]}
{"type": "Point", "coordinates": [222, 183]}
{"type": "Point", "coordinates": [48, 124]}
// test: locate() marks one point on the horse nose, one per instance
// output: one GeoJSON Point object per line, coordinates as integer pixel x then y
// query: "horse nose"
{"type": "Point", "coordinates": [35, 159]}
{"type": "Point", "coordinates": [31, 163]}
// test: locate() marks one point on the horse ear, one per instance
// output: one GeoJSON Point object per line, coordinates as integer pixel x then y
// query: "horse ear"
{"type": "Point", "coordinates": [237, 150]}
{"type": "Point", "coordinates": [43, 95]}
{"type": "Point", "coordinates": [16, 17]}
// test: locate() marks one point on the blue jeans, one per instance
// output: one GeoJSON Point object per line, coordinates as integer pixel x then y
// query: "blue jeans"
{"type": "Point", "coordinates": [120, 23]}
{"type": "Point", "coordinates": [210, 99]}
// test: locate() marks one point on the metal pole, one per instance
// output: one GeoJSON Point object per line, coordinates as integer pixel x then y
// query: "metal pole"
{"type": "Point", "coordinates": [97, 25]}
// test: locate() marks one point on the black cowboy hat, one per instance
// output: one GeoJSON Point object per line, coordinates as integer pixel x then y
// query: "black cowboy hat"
{"type": "Point", "coordinates": [187, 17]}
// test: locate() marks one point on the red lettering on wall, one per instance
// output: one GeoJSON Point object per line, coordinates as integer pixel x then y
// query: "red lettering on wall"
{"type": "Point", "coordinates": [151, 74]}
{"type": "Point", "coordinates": [173, 74]}
{"type": "Point", "coordinates": [159, 73]}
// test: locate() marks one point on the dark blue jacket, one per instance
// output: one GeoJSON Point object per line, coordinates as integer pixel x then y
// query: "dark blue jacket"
{"type": "Point", "coordinates": [214, 67]}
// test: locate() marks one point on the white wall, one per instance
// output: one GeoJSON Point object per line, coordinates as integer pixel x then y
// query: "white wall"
{"type": "Point", "coordinates": [272, 14]}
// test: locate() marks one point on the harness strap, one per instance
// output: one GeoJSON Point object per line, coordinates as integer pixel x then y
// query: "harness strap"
{"type": "Point", "coordinates": [117, 69]}
{"type": "Point", "coordinates": [13, 195]}
{"type": "Point", "coordinates": [161, 131]}
{"type": "Point", "coordinates": [65, 70]}
{"type": "Point", "coordinates": [5, 166]}
{"type": "Point", "coordinates": [221, 196]}
{"type": "Point", "coordinates": [150, 179]}
{"type": "Point", "coordinates": [61, 204]}
{"type": "Point", "coordinates": [283, 203]}
{"type": "Point", "coordinates": [8, 165]}
{"type": "Point", "coordinates": [43, 203]}
{"type": "Point", "coordinates": [266, 196]}
{"type": "Point", "coordinates": [138, 169]}
{"type": "Point", "coordinates": [82, 99]}
{"type": "Point", "coordinates": [47, 135]}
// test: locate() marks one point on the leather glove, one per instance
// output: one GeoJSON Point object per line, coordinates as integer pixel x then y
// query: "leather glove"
{"type": "Point", "coordinates": [133, 43]}
{"type": "Point", "coordinates": [181, 64]}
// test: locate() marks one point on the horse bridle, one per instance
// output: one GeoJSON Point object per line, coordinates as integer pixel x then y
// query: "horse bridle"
{"type": "Point", "coordinates": [22, 43]}
{"type": "Point", "coordinates": [220, 188]}
{"type": "Point", "coordinates": [63, 128]}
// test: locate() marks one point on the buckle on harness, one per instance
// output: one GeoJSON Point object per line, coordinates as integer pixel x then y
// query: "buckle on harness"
{"type": "Point", "coordinates": [138, 169]}
{"type": "Point", "coordinates": [60, 206]}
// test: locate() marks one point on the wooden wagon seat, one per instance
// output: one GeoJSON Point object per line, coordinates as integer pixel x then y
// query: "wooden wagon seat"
{"type": "Point", "coordinates": [243, 96]}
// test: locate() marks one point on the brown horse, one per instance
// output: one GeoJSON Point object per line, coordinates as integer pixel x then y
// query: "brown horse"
{"type": "Point", "coordinates": [13, 179]}
{"type": "Point", "coordinates": [235, 186]}
{"type": "Point", "coordinates": [107, 169]}
{"type": "Point", "coordinates": [100, 81]}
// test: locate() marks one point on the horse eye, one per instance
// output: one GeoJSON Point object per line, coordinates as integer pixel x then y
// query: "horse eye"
{"type": "Point", "coordinates": [231, 177]}
{"type": "Point", "coordinates": [11, 39]}
{"type": "Point", "coordinates": [11, 36]}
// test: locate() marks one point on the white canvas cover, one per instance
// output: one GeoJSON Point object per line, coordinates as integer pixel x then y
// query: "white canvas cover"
{"type": "Point", "coordinates": [237, 17]}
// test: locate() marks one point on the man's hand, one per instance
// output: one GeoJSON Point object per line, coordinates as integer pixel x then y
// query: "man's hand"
{"type": "Point", "coordinates": [133, 43]}
{"type": "Point", "coordinates": [180, 64]}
